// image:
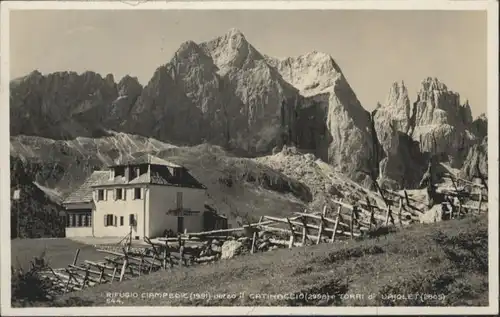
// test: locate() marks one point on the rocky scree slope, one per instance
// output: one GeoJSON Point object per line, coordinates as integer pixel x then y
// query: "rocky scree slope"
{"type": "Point", "coordinates": [324, 182]}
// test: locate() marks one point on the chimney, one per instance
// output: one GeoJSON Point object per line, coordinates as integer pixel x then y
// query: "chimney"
{"type": "Point", "coordinates": [127, 173]}
{"type": "Point", "coordinates": [111, 174]}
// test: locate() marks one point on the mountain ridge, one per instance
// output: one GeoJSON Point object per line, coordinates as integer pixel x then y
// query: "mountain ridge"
{"type": "Point", "coordinates": [225, 92]}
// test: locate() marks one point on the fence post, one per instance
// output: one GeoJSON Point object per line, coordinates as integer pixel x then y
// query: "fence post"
{"type": "Point", "coordinates": [124, 266]}
{"type": "Point", "coordinates": [165, 252]}
{"type": "Point", "coordinates": [339, 209]}
{"type": "Point", "coordinates": [480, 201]}
{"type": "Point", "coordinates": [400, 211]}
{"type": "Point", "coordinates": [85, 278]}
{"type": "Point", "coordinates": [304, 230]}
{"type": "Point", "coordinates": [292, 235]}
{"type": "Point", "coordinates": [254, 238]}
{"type": "Point", "coordinates": [75, 259]}
{"type": "Point", "coordinates": [352, 223]}
{"type": "Point", "coordinates": [370, 208]}
{"type": "Point", "coordinates": [181, 254]}
{"type": "Point", "coordinates": [101, 274]}
{"type": "Point", "coordinates": [321, 225]}
{"type": "Point", "coordinates": [114, 273]}
{"type": "Point", "coordinates": [388, 215]}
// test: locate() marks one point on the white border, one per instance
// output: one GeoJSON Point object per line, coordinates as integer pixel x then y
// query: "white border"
{"type": "Point", "coordinates": [491, 6]}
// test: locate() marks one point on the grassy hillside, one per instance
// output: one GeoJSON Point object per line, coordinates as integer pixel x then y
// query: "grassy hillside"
{"type": "Point", "coordinates": [447, 261]}
{"type": "Point", "coordinates": [59, 252]}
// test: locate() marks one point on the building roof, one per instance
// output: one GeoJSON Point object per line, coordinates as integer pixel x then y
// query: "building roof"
{"type": "Point", "coordinates": [147, 159]}
{"type": "Point", "coordinates": [190, 182]}
{"type": "Point", "coordinates": [84, 193]}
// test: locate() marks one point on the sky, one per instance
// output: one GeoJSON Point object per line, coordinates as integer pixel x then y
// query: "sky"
{"type": "Point", "coordinates": [373, 48]}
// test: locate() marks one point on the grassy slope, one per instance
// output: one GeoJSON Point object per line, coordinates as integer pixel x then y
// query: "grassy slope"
{"type": "Point", "coordinates": [59, 251]}
{"type": "Point", "coordinates": [448, 258]}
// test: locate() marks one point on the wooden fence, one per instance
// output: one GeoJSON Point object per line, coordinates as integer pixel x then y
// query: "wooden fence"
{"type": "Point", "coordinates": [339, 220]}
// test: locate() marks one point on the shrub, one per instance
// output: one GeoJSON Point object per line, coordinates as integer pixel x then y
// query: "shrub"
{"type": "Point", "coordinates": [27, 286]}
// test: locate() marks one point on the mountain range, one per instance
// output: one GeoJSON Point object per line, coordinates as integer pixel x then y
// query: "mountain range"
{"type": "Point", "coordinates": [226, 93]}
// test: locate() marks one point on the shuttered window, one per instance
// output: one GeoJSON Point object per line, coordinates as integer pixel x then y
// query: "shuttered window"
{"type": "Point", "coordinates": [109, 220]}
{"type": "Point", "coordinates": [100, 194]}
{"type": "Point", "coordinates": [137, 193]}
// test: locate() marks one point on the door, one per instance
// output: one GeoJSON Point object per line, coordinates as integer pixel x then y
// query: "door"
{"type": "Point", "coordinates": [180, 224]}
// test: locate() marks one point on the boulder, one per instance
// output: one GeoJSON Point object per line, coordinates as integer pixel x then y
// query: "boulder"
{"type": "Point", "coordinates": [231, 249]}
{"type": "Point", "coordinates": [433, 215]}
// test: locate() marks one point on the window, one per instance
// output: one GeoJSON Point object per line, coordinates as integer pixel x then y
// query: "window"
{"type": "Point", "coordinates": [137, 193]}
{"type": "Point", "coordinates": [108, 220]}
{"type": "Point", "coordinates": [179, 200]}
{"type": "Point", "coordinates": [119, 194]}
{"type": "Point", "coordinates": [79, 219]}
{"type": "Point", "coordinates": [131, 220]}
{"type": "Point", "coordinates": [121, 220]}
{"type": "Point", "coordinates": [119, 171]}
{"type": "Point", "coordinates": [177, 172]}
{"type": "Point", "coordinates": [100, 194]}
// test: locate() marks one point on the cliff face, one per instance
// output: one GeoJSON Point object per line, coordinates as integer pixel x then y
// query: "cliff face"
{"type": "Point", "coordinates": [331, 119]}
{"type": "Point", "coordinates": [262, 105]}
{"type": "Point", "coordinates": [479, 127]}
{"type": "Point", "coordinates": [476, 162]}
{"type": "Point", "coordinates": [221, 91]}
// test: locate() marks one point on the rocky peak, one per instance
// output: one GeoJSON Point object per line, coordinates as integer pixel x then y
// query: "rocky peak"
{"type": "Point", "coordinates": [33, 76]}
{"type": "Point", "coordinates": [61, 104]}
{"type": "Point", "coordinates": [195, 74]}
{"type": "Point", "coordinates": [189, 60]}
{"type": "Point", "coordinates": [129, 85]}
{"type": "Point", "coordinates": [432, 83]}
{"type": "Point", "coordinates": [311, 73]}
{"type": "Point", "coordinates": [397, 107]}
{"type": "Point", "coordinates": [110, 79]}
{"type": "Point", "coordinates": [398, 95]}
{"type": "Point", "coordinates": [466, 113]}
{"type": "Point", "coordinates": [438, 105]}
{"type": "Point", "coordinates": [231, 50]}
{"type": "Point", "coordinates": [190, 51]}
{"type": "Point", "coordinates": [479, 127]}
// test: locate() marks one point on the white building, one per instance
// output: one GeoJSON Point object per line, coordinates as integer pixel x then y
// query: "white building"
{"type": "Point", "coordinates": [145, 196]}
